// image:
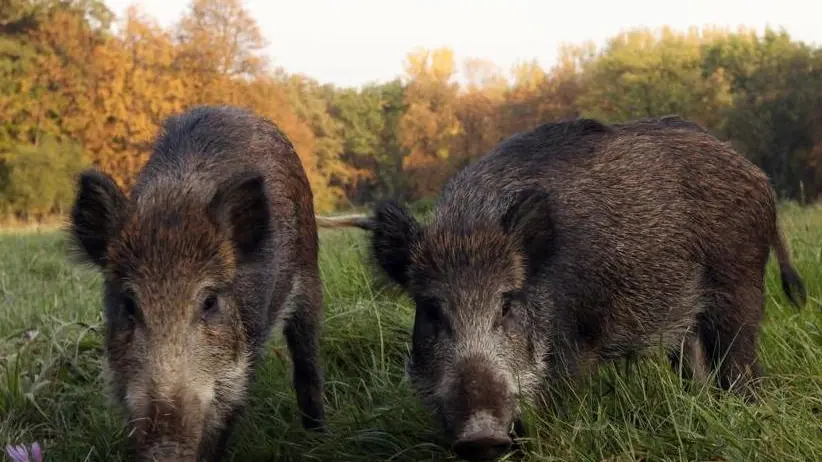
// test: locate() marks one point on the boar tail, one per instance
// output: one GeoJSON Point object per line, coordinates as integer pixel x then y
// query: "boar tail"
{"type": "Point", "coordinates": [355, 221]}
{"type": "Point", "coordinates": [792, 283]}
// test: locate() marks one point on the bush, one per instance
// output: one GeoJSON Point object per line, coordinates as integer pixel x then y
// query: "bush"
{"type": "Point", "coordinates": [422, 206]}
{"type": "Point", "coordinates": [37, 181]}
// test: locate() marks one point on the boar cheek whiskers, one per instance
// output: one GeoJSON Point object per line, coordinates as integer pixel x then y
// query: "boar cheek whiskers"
{"type": "Point", "coordinates": [232, 387]}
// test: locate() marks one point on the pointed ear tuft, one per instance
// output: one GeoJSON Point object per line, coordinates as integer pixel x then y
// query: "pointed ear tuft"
{"type": "Point", "coordinates": [395, 231]}
{"type": "Point", "coordinates": [96, 215]}
{"type": "Point", "coordinates": [528, 221]}
{"type": "Point", "coordinates": [241, 207]}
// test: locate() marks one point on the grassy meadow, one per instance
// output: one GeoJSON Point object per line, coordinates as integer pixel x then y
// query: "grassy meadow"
{"type": "Point", "coordinates": [50, 390]}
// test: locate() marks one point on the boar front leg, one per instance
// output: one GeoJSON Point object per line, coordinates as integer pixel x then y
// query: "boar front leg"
{"type": "Point", "coordinates": [301, 334]}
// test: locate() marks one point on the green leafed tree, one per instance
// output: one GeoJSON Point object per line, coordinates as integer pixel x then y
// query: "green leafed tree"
{"type": "Point", "coordinates": [37, 181]}
{"type": "Point", "coordinates": [370, 121]}
{"type": "Point", "coordinates": [775, 119]}
{"type": "Point", "coordinates": [643, 73]}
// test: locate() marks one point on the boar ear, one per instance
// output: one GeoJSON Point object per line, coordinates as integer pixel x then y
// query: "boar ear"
{"type": "Point", "coordinates": [95, 215]}
{"type": "Point", "coordinates": [395, 231]}
{"type": "Point", "coordinates": [241, 207]}
{"type": "Point", "coordinates": [528, 221]}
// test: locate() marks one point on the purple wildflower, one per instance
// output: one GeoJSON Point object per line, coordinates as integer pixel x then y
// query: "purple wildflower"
{"type": "Point", "coordinates": [17, 453]}
{"type": "Point", "coordinates": [36, 452]}
{"type": "Point", "coordinates": [20, 453]}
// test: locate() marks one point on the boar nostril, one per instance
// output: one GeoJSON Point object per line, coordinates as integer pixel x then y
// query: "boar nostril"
{"type": "Point", "coordinates": [482, 447]}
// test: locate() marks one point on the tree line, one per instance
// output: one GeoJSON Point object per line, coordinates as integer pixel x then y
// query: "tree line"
{"type": "Point", "coordinates": [79, 89]}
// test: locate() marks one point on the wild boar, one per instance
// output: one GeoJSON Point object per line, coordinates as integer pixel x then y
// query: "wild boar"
{"type": "Point", "coordinates": [574, 244]}
{"type": "Point", "coordinates": [213, 248]}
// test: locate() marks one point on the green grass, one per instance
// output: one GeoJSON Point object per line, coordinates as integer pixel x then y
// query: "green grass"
{"type": "Point", "coordinates": [50, 390]}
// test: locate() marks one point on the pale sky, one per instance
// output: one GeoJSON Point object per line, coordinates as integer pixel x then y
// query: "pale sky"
{"type": "Point", "coordinates": [351, 42]}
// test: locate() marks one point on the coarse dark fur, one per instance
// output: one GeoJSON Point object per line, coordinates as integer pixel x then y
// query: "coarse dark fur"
{"type": "Point", "coordinates": [578, 243]}
{"type": "Point", "coordinates": [215, 246]}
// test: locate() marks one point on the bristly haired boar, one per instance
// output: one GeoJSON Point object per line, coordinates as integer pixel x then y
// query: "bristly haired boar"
{"type": "Point", "coordinates": [574, 244]}
{"type": "Point", "coordinates": [214, 246]}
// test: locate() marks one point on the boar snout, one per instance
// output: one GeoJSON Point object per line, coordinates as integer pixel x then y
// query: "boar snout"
{"type": "Point", "coordinates": [483, 438]}
{"type": "Point", "coordinates": [166, 452]}
{"type": "Point", "coordinates": [169, 430]}
{"type": "Point", "coordinates": [482, 409]}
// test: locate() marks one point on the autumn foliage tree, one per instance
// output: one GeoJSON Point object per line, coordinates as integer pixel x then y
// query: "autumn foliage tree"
{"type": "Point", "coordinates": [478, 111]}
{"type": "Point", "coordinates": [430, 123]}
{"type": "Point", "coordinates": [80, 87]}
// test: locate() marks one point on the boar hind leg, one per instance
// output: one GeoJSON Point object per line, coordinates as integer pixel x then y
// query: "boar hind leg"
{"type": "Point", "coordinates": [301, 334]}
{"type": "Point", "coordinates": [730, 332]}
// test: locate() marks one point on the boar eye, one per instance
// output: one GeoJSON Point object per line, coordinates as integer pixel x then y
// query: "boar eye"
{"type": "Point", "coordinates": [431, 309]}
{"type": "Point", "coordinates": [430, 321]}
{"type": "Point", "coordinates": [210, 306]}
{"type": "Point", "coordinates": [130, 308]}
{"type": "Point", "coordinates": [506, 306]}
{"type": "Point", "coordinates": [508, 300]}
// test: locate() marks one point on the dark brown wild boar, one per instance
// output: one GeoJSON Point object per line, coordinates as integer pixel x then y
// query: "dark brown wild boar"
{"type": "Point", "coordinates": [215, 246]}
{"type": "Point", "coordinates": [578, 243]}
